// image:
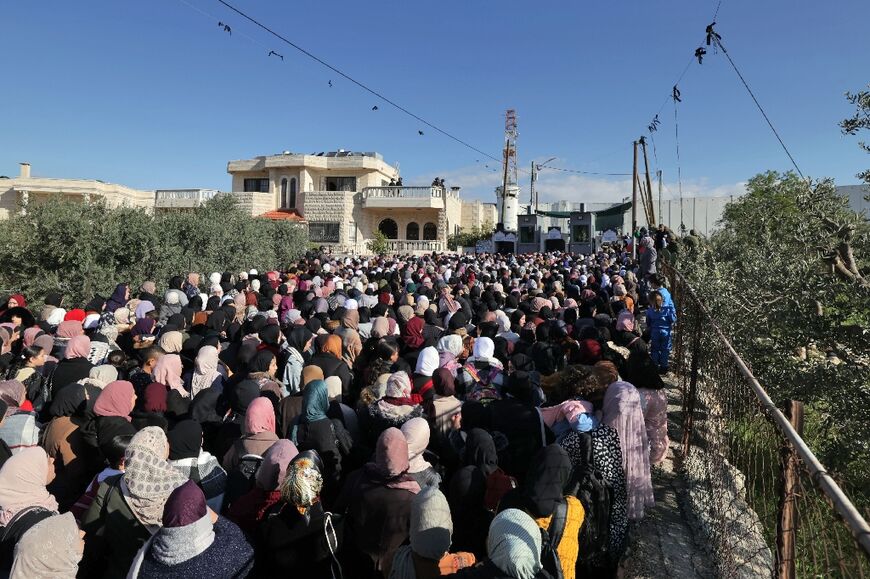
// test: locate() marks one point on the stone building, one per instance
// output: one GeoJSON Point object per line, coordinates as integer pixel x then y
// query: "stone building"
{"type": "Point", "coordinates": [18, 192]}
{"type": "Point", "coordinates": [345, 197]}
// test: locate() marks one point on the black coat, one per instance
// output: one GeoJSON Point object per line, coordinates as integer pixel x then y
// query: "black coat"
{"type": "Point", "coordinates": [69, 371]}
{"type": "Point", "coordinates": [108, 427]}
{"type": "Point", "coordinates": [488, 570]}
{"type": "Point", "coordinates": [333, 366]}
{"type": "Point", "coordinates": [288, 544]}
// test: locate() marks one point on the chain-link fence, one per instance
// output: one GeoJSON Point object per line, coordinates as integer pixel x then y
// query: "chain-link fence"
{"type": "Point", "coordinates": [765, 503]}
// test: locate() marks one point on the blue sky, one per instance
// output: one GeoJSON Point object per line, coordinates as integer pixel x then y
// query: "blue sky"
{"type": "Point", "coordinates": [154, 95]}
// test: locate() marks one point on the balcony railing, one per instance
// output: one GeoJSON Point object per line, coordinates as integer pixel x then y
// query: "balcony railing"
{"type": "Point", "coordinates": [409, 192]}
{"type": "Point", "coordinates": [182, 197]}
{"type": "Point", "coordinates": [410, 246]}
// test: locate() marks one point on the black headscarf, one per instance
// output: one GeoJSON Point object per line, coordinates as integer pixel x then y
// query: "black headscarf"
{"type": "Point", "coordinates": [242, 395]}
{"type": "Point", "coordinates": [298, 337]}
{"type": "Point", "coordinates": [262, 361]}
{"type": "Point", "coordinates": [269, 335]}
{"type": "Point", "coordinates": [69, 401]}
{"type": "Point", "coordinates": [213, 304]}
{"type": "Point", "coordinates": [185, 440]}
{"type": "Point", "coordinates": [217, 321]}
{"type": "Point", "coordinates": [544, 487]}
{"type": "Point", "coordinates": [480, 451]}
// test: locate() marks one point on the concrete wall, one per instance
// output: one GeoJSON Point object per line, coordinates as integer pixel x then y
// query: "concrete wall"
{"type": "Point", "coordinates": [254, 203]}
{"type": "Point", "coordinates": [476, 214]}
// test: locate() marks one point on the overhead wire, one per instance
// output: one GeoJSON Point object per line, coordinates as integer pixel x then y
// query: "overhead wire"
{"type": "Point", "coordinates": [585, 172]}
{"type": "Point", "coordinates": [358, 83]}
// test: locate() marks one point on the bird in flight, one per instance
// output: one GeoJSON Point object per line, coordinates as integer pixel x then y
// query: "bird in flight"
{"type": "Point", "coordinates": [330, 84]}
{"type": "Point", "coordinates": [374, 108]}
{"type": "Point", "coordinates": [271, 52]}
{"type": "Point", "coordinates": [420, 132]}
{"type": "Point", "coordinates": [226, 27]}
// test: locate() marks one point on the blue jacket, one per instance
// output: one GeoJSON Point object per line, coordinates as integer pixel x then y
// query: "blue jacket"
{"type": "Point", "coordinates": [662, 319]}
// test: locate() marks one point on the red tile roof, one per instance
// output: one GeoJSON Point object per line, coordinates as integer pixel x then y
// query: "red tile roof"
{"type": "Point", "coordinates": [281, 214]}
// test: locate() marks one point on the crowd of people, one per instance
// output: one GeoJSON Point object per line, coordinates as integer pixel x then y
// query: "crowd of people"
{"type": "Point", "coordinates": [480, 416]}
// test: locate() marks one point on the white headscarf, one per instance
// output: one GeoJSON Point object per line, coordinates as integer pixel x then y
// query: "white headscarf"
{"type": "Point", "coordinates": [427, 361]}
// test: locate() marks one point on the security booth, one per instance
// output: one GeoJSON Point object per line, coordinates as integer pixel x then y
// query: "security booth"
{"type": "Point", "coordinates": [528, 239]}
{"type": "Point", "coordinates": [554, 240]}
{"type": "Point", "coordinates": [504, 242]}
{"type": "Point", "coordinates": [582, 224]}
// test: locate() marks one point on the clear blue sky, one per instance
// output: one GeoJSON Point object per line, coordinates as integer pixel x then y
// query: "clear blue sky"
{"type": "Point", "coordinates": [154, 95]}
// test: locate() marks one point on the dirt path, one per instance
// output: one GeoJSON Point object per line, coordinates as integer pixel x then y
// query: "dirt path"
{"type": "Point", "coordinates": [663, 544]}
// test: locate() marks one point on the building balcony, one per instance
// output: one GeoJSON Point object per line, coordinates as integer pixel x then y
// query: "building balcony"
{"type": "Point", "coordinates": [407, 197]}
{"type": "Point", "coordinates": [416, 247]}
{"type": "Point", "coordinates": [182, 198]}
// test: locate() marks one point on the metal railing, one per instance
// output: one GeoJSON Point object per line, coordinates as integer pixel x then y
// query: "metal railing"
{"type": "Point", "coordinates": [765, 503]}
{"type": "Point", "coordinates": [408, 192]}
{"type": "Point", "coordinates": [405, 245]}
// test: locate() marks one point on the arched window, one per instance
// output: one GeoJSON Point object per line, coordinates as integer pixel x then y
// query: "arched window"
{"type": "Point", "coordinates": [389, 228]}
{"type": "Point", "coordinates": [413, 231]}
{"type": "Point", "coordinates": [292, 204]}
{"type": "Point", "coordinates": [283, 193]}
{"type": "Point", "coordinates": [430, 232]}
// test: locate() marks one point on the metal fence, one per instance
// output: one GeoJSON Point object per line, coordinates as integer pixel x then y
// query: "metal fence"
{"type": "Point", "coordinates": [767, 506]}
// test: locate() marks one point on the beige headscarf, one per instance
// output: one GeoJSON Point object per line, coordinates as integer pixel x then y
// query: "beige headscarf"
{"type": "Point", "coordinates": [171, 342]}
{"type": "Point", "coordinates": [148, 478]}
{"type": "Point", "coordinates": [49, 550]}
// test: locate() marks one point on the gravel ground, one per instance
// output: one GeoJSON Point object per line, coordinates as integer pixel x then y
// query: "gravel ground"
{"type": "Point", "coordinates": [663, 544]}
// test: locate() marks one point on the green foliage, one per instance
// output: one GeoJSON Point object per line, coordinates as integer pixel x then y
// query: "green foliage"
{"type": "Point", "coordinates": [86, 248]}
{"type": "Point", "coordinates": [378, 245]}
{"type": "Point", "coordinates": [860, 121]}
{"type": "Point", "coordinates": [784, 276]}
{"type": "Point", "coordinates": [471, 237]}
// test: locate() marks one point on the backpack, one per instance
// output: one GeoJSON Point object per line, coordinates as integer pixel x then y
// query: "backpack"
{"type": "Point", "coordinates": [241, 479]}
{"type": "Point", "coordinates": [481, 389]}
{"type": "Point", "coordinates": [596, 496]}
{"type": "Point", "coordinates": [498, 484]}
{"type": "Point", "coordinates": [550, 540]}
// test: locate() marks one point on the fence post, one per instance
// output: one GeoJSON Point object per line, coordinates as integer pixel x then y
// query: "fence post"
{"type": "Point", "coordinates": [690, 397]}
{"type": "Point", "coordinates": [786, 528]}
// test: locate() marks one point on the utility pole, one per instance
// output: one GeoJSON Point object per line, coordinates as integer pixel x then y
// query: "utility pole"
{"type": "Point", "coordinates": [634, 204]}
{"type": "Point", "coordinates": [659, 175]}
{"type": "Point", "coordinates": [648, 185]}
{"type": "Point", "coordinates": [532, 192]}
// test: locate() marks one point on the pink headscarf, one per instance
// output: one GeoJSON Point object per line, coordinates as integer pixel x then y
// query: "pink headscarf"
{"type": "Point", "coordinates": [22, 483]}
{"type": "Point", "coordinates": [391, 462]}
{"type": "Point", "coordinates": [273, 470]}
{"type": "Point", "coordinates": [78, 347]}
{"type": "Point", "coordinates": [167, 371]}
{"type": "Point", "coordinates": [416, 433]}
{"type": "Point", "coordinates": [116, 399]}
{"type": "Point", "coordinates": [622, 411]}
{"type": "Point", "coordinates": [30, 335]}
{"type": "Point", "coordinates": [69, 329]}
{"type": "Point", "coordinates": [625, 321]}
{"type": "Point", "coordinates": [260, 416]}
{"type": "Point", "coordinates": [568, 410]}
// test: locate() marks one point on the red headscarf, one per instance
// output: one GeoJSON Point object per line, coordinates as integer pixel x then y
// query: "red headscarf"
{"type": "Point", "coordinates": [77, 315]}
{"type": "Point", "coordinates": [412, 334]}
{"type": "Point", "coordinates": [155, 397]}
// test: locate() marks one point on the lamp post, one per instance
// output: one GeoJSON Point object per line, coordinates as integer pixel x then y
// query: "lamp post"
{"type": "Point", "coordinates": [533, 199]}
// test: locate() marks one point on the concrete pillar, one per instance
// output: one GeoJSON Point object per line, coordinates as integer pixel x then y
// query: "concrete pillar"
{"type": "Point", "coordinates": [24, 170]}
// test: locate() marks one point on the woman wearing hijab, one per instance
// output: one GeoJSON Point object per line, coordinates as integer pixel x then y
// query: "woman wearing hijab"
{"type": "Point", "coordinates": [482, 376]}
{"type": "Point", "coordinates": [472, 501]}
{"type": "Point", "coordinates": [298, 343]}
{"type": "Point", "coordinates": [188, 457]}
{"type": "Point", "coordinates": [412, 333]}
{"type": "Point", "coordinates": [75, 365]}
{"type": "Point", "coordinates": [513, 548]}
{"type": "Point", "coordinates": [393, 410]}
{"type": "Point", "coordinates": [24, 498]}
{"type": "Point", "coordinates": [316, 431]}
{"type": "Point", "coordinates": [119, 298]}
{"type": "Point", "coordinates": [128, 508]}
{"type": "Point", "coordinates": [290, 407]}
{"type": "Point", "coordinates": [249, 509]}
{"type": "Point", "coordinates": [622, 412]}
{"type": "Point", "coordinates": [112, 410]}
{"type": "Point", "coordinates": [543, 497]}
{"type": "Point", "coordinates": [232, 424]}
{"type": "Point", "coordinates": [51, 549]}
{"type": "Point", "coordinates": [262, 370]}
{"type": "Point", "coordinates": [431, 531]}
{"type": "Point", "coordinates": [168, 371]}
{"type": "Point", "coordinates": [296, 537]}
{"type": "Point", "coordinates": [416, 432]}
{"type": "Point", "coordinates": [377, 501]}
{"type": "Point", "coordinates": [205, 373]}
{"type": "Point", "coordinates": [193, 542]}
{"type": "Point", "coordinates": [331, 360]}
{"type": "Point", "coordinates": [259, 433]}
{"type": "Point", "coordinates": [19, 429]}
{"type": "Point", "coordinates": [422, 389]}
{"type": "Point", "coordinates": [449, 349]}
{"type": "Point", "coordinates": [67, 442]}
{"type": "Point", "coordinates": [445, 403]}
